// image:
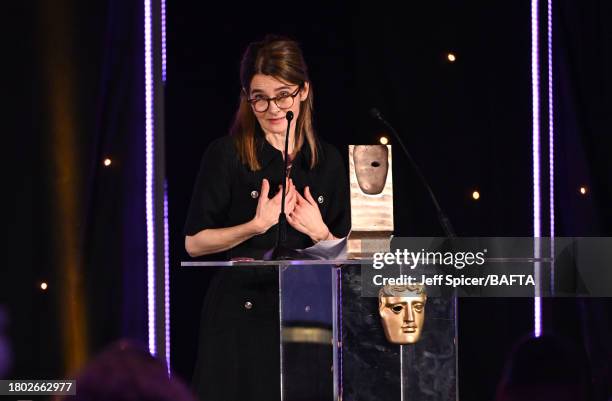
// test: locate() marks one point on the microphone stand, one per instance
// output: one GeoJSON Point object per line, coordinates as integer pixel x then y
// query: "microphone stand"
{"type": "Point", "coordinates": [444, 221]}
{"type": "Point", "coordinates": [281, 251]}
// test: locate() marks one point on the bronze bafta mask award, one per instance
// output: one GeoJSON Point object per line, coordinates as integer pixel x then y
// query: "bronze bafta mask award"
{"type": "Point", "coordinates": [402, 312]}
{"type": "Point", "coordinates": [371, 166]}
{"type": "Point", "coordinates": [371, 183]}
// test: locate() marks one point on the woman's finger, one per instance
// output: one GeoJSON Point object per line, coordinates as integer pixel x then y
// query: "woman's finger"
{"type": "Point", "coordinates": [295, 223]}
{"type": "Point", "coordinates": [265, 189]}
{"type": "Point", "coordinates": [297, 212]}
{"type": "Point", "coordinates": [291, 192]}
{"type": "Point", "coordinates": [278, 195]}
{"type": "Point", "coordinates": [309, 197]}
{"type": "Point", "coordinates": [289, 205]}
{"type": "Point", "coordinates": [291, 219]}
{"type": "Point", "coordinates": [300, 199]}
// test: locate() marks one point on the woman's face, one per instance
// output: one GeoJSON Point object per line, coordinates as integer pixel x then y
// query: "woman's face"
{"type": "Point", "coordinates": [273, 120]}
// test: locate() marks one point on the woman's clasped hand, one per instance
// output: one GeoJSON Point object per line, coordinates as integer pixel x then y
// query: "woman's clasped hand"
{"type": "Point", "coordinates": [268, 209]}
{"type": "Point", "coordinates": [302, 212]}
{"type": "Point", "coordinates": [306, 217]}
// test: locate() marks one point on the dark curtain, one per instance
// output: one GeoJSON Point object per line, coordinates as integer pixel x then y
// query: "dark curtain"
{"type": "Point", "coordinates": [76, 98]}
{"type": "Point", "coordinates": [467, 124]}
{"type": "Point", "coordinates": [582, 51]}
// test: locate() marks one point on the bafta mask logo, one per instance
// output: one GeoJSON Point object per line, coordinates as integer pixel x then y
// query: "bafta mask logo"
{"type": "Point", "coordinates": [402, 312]}
{"type": "Point", "coordinates": [371, 166]}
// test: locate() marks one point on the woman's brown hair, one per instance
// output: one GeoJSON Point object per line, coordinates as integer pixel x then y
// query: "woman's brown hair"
{"type": "Point", "coordinates": [281, 58]}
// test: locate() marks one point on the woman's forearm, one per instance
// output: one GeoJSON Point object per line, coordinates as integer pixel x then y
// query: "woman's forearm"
{"type": "Point", "coordinates": [214, 240]}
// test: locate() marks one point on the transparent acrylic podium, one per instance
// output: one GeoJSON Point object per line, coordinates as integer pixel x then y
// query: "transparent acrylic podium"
{"type": "Point", "coordinates": [332, 342]}
{"type": "Point", "coordinates": [333, 345]}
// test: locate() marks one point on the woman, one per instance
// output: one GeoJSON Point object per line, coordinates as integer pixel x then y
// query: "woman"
{"type": "Point", "coordinates": [235, 208]}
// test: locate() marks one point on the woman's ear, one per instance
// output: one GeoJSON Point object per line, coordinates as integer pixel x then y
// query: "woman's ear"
{"type": "Point", "coordinates": [304, 92]}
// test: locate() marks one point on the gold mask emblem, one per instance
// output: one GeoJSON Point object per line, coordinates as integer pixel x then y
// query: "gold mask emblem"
{"type": "Point", "coordinates": [402, 312]}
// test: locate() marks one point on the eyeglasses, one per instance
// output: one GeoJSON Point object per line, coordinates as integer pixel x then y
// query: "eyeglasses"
{"type": "Point", "coordinates": [282, 101]}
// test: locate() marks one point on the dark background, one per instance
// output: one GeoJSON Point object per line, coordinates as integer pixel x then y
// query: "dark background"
{"type": "Point", "coordinates": [76, 96]}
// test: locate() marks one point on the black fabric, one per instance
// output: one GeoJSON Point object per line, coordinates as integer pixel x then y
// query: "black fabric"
{"type": "Point", "coordinates": [238, 354]}
{"type": "Point", "coordinates": [239, 357]}
{"type": "Point", "coordinates": [222, 196]}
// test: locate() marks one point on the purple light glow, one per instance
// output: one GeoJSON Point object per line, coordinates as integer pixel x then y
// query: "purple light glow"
{"type": "Point", "coordinates": [166, 277]}
{"type": "Point", "coordinates": [166, 226]}
{"type": "Point", "coordinates": [535, 84]}
{"type": "Point", "coordinates": [551, 141]}
{"type": "Point", "coordinates": [163, 38]}
{"type": "Point", "coordinates": [149, 175]}
{"type": "Point", "coordinates": [537, 306]}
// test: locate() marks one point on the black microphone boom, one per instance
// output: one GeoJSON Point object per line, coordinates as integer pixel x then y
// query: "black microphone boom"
{"type": "Point", "coordinates": [281, 251]}
{"type": "Point", "coordinates": [444, 221]}
{"type": "Point", "coordinates": [289, 117]}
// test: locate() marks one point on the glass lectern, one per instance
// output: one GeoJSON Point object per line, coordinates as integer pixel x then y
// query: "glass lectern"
{"type": "Point", "coordinates": [333, 346]}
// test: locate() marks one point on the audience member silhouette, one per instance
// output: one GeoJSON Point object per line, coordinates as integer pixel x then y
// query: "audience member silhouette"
{"type": "Point", "coordinates": [127, 372]}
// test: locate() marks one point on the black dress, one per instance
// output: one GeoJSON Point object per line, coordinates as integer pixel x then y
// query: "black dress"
{"type": "Point", "coordinates": [238, 357]}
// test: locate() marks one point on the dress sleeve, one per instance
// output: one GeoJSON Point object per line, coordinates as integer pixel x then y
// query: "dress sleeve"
{"type": "Point", "coordinates": [338, 217]}
{"type": "Point", "coordinates": [212, 191]}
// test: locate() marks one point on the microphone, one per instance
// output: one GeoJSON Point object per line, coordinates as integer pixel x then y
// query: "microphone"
{"type": "Point", "coordinates": [289, 117]}
{"type": "Point", "coordinates": [444, 221]}
{"type": "Point", "coordinates": [280, 251]}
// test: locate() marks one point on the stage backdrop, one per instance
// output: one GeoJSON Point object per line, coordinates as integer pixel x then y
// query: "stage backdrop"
{"type": "Point", "coordinates": [468, 123]}
{"type": "Point", "coordinates": [77, 97]}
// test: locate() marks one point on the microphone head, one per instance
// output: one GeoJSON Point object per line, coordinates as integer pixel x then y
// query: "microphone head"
{"type": "Point", "coordinates": [289, 115]}
{"type": "Point", "coordinates": [375, 113]}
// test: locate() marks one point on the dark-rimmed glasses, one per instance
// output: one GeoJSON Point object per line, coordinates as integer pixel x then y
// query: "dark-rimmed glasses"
{"type": "Point", "coordinates": [283, 101]}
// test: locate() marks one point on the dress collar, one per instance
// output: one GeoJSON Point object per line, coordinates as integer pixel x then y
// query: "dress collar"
{"type": "Point", "coordinates": [266, 153]}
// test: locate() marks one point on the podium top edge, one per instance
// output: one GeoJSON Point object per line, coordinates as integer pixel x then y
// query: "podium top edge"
{"type": "Point", "coordinates": [304, 262]}
{"type": "Point", "coordinates": [335, 262]}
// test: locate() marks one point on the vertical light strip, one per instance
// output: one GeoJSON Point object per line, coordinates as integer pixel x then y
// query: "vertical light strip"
{"type": "Point", "coordinates": [163, 38]}
{"type": "Point", "coordinates": [149, 174]}
{"type": "Point", "coordinates": [551, 149]}
{"type": "Point", "coordinates": [535, 84]}
{"type": "Point", "coordinates": [166, 225]}
{"type": "Point", "coordinates": [551, 140]}
{"type": "Point", "coordinates": [166, 277]}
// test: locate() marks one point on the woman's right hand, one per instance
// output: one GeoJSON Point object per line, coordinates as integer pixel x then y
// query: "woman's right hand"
{"type": "Point", "coordinates": [268, 209]}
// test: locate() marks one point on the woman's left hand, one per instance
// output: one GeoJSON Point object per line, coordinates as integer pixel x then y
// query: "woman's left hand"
{"type": "Point", "coordinates": [306, 217]}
